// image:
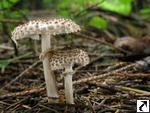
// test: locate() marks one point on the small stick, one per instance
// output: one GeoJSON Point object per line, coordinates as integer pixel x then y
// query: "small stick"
{"type": "Point", "coordinates": [5, 47]}
{"type": "Point", "coordinates": [104, 75]}
{"type": "Point", "coordinates": [117, 111]}
{"type": "Point", "coordinates": [132, 90]}
{"type": "Point", "coordinates": [26, 92]}
{"type": "Point", "coordinates": [15, 104]}
{"type": "Point", "coordinates": [90, 105]}
{"type": "Point", "coordinates": [135, 75]}
{"type": "Point", "coordinates": [142, 95]}
{"type": "Point", "coordinates": [48, 108]}
{"type": "Point", "coordinates": [21, 74]}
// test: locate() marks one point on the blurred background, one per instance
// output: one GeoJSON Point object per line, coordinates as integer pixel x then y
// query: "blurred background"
{"type": "Point", "coordinates": [113, 18]}
{"type": "Point", "coordinates": [106, 18]}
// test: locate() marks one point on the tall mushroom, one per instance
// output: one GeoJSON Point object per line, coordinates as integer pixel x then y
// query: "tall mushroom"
{"type": "Point", "coordinates": [45, 29]}
{"type": "Point", "coordinates": [66, 59]}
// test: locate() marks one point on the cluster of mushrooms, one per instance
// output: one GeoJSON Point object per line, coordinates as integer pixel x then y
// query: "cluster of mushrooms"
{"type": "Point", "coordinates": [45, 29]}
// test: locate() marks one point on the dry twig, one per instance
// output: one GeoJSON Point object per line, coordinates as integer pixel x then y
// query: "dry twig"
{"type": "Point", "coordinates": [21, 74]}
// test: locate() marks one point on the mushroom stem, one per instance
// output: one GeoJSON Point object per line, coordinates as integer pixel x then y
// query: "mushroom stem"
{"type": "Point", "coordinates": [68, 87]}
{"type": "Point", "coordinates": [48, 74]}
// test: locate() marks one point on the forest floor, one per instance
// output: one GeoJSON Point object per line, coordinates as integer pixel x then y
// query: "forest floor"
{"type": "Point", "coordinates": [23, 87]}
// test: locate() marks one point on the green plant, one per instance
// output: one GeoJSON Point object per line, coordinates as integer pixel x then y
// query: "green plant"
{"type": "Point", "coordinates": [119, 6]}
{"type": "Point", "coordinates": [9, 11]}
{"type": "Point", "coordinates": [98, 22]}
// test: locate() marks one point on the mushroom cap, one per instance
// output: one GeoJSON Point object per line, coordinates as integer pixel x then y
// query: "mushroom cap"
{"type": "Point", "coordinates": [38, 27]}
{"type": "Point", "coordinates": [63, 58]}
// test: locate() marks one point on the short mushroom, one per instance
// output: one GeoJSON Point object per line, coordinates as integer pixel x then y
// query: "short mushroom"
{"type": "Point", "coordinates": [65, 60]}
{"type": "Point", "coordinates": [45, 29]}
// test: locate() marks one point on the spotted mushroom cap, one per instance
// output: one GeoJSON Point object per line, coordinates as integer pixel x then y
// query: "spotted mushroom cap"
{"type": "Point", "coordinates": [63, 58]}
{"type": "Point", "coordinates": [38, 27]}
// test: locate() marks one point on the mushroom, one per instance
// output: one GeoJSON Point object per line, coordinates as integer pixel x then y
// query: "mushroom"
{"type": "Point", "coordinates": [45, 29]}
{"type": "Point", "coordinates": [65, 60]}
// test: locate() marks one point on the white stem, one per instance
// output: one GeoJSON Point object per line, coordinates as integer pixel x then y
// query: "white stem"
{"type": "Point", "coordinates": [68, 88]}
{"type": "Point", "coordinates": [48, 74]}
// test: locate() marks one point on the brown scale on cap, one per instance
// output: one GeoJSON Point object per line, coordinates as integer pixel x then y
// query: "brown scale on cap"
{"type": "Point", "coordinates": [45, 26]}
{"type": "Point", "coordinates": [62, 58]}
